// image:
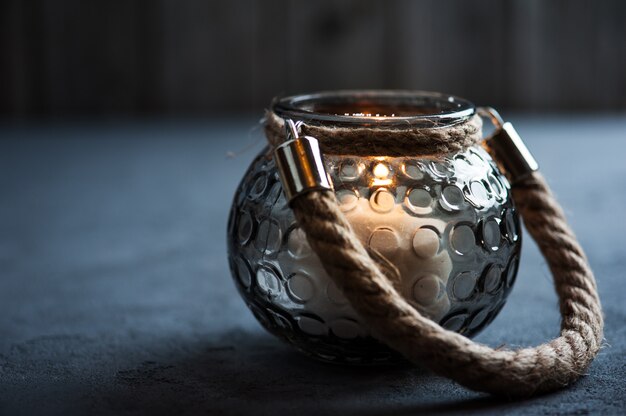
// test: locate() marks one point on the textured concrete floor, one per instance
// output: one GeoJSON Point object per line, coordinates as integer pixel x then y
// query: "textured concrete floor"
{"type": "Point", "coordinates": [115, 294]}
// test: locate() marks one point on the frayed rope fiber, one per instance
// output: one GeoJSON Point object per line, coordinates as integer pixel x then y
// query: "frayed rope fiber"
{"type": "Point", "coordinates": [520, 372]}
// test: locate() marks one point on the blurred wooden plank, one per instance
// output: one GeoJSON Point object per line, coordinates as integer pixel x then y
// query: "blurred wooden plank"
{"type": "Point", "coordinates": [207, 55]}
{"type": "Point", "coordinates": [90, 57]}
{"type": "Point", "coordinates": [453, 46]}
{"type": "Point", "coordinates": [22, 69]}
{"type": "Point", "coordinates": [336, 44]}
{"type": "Point", "coordinates": [160, 56]}
{"type": "Point", "coordinates": [270, 68]}
{"type": "Point", "coordinates": [567, 55]}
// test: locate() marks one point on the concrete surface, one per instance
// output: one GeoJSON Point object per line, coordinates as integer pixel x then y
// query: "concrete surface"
{"type": "Point", "coordinates": [115, 294]}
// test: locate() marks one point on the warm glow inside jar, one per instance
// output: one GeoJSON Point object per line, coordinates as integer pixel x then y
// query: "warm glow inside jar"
{"type": "Point", "coordinates": [446, 222]}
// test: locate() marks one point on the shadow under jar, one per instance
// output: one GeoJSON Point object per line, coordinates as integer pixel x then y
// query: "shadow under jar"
{"type": "Point", "coordinates": [448, 223]}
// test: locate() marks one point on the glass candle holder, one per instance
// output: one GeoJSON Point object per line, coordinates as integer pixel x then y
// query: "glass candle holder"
{"type": "Point", "coordinates": [447, 223]}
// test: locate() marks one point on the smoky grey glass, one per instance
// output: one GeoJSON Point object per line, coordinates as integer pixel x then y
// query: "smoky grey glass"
{"type": "Point", "coordinates": [448, 224]}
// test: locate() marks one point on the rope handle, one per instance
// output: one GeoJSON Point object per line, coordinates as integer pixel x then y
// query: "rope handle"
{"type": "Point", "coordinates": [392, 320]}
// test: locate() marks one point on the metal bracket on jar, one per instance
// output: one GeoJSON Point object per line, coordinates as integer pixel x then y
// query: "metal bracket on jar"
{"type": "Point", "coordinates": [508, 148]}
{"type": "Point", "coordinates": [300, 164]}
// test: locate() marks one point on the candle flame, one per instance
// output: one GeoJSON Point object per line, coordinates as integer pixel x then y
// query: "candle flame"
{"type": "Point", "coordinates": [381, 172]}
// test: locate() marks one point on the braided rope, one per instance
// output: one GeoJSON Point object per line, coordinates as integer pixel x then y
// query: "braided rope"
{"type": "Point", "coordinates": [381, 141]}
{"type": "Point", "coordinates": [394, 321]}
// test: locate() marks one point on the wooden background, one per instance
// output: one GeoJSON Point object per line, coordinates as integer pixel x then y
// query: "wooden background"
{"type": "Point", "coordinates": [198, 57]}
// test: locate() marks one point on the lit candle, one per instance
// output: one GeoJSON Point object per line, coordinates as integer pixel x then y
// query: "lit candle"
{"type": "Point", "coordinates": [446, 224]}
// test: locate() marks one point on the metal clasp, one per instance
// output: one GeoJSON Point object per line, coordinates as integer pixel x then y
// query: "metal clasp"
{"type": "Point", "coordinates": [300, 164]}
{"type": "Point", "coordinates": [508, 148]}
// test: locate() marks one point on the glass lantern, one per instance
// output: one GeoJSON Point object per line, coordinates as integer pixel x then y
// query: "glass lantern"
{"type": "Point", "coordinates": [447, 223]}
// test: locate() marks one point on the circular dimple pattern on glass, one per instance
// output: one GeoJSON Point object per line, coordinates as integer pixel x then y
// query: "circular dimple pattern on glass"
{"type": "Point", "coordinates": [451, 198]}
{"type": "Point", "coordinates": [479, 318]}
{"type": "Point", "coordinates": [301, 287]}
{"type": "Point", "coordinates": [462, 165]}
{"type": "Point", "coordinates": [455, 322]}
{"type": "Point", "coordinates": [441, 169]}
{"type": "Point", "coordinates": [464, 284]}
{"type": "Point", "coordinates": [425, 242]}
{"type": "Point", "coordinates": [492, 278]}
{"type": "Point", "coordinates": [268, 236]}
{"type": "Point", "coordinates": [463, 239]}
{"type": "Point", "coordinates": [477, 157]}
{"type": "Point", "coordinates": [243, 272]}
{"type": "Point", "coordinates": [267, 281]}
{"type": "Point", "coordinates": [413, 171]}
{"type": "Point", "coordinates": [419, 201]}
{"type": "Point", "coordinates": [347, 200]}
{"type": "Point", "coordinates": [382, 200]}
{"type": "Point", "coordinates": [427, 290]}
{"type": "Point", "coordinates": [511, 227]}
{"type": "Point", "coordinates": [384, 240]}
{"type": "Point", "coordinates": [258, 186]}
{"type": "Point", "coordinates": [312, 326]}
{"type": "Point", "coordinates": [477, 194]}
{"type": "Point", "coordinates": [273, 195]}
{"type": "Point", "coordinates": [511, 271]}
{"type": "Point", "coordinates": [350, 170]}
{"type": "Point", "coordinates": [449, 226]}
{"type": "Point", "coordinates": [245, 228]}
{"type": "Point", "coordinates": [496, 187]}
{"type": "Point", "coordinates": [491, 234]}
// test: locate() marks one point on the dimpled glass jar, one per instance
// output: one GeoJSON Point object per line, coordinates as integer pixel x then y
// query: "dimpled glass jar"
{"type": "Point", "coordinates": [448, 224]}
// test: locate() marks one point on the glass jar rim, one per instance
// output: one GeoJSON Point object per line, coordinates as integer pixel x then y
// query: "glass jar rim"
{"type": "Point", "coordinates": [416, 109]}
